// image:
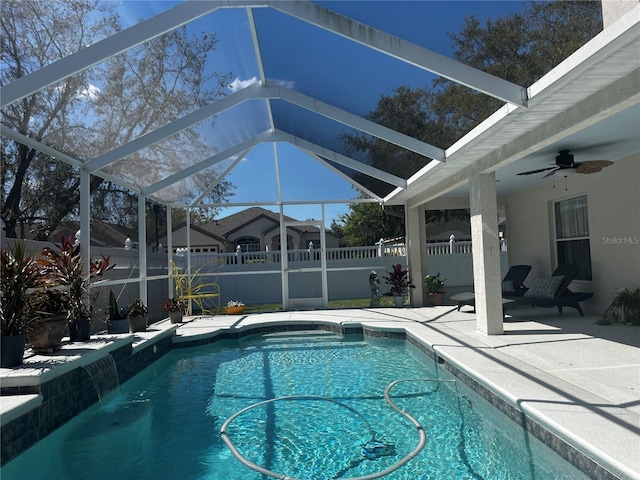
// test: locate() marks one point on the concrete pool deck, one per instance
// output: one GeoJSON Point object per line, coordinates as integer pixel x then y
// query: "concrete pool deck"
{"type": "Point", "coordinates": [578, 379]}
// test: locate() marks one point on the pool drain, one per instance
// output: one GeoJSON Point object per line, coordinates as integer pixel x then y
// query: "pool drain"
{"type": "Point", "coordinates": [371, 450]}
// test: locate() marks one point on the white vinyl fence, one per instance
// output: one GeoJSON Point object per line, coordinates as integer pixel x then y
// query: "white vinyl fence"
{"type": "Point", "coordinates": [255, 277]}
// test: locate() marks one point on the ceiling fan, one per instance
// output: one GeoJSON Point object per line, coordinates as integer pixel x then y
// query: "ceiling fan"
{"type": "Point", "coordinates": [564, 160]}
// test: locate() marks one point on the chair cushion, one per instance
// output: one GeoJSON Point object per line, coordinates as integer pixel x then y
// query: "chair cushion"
{"type": "Point", "coordinates": [544, 288]}
{"type": "Point", "coordinates": [507, 287]}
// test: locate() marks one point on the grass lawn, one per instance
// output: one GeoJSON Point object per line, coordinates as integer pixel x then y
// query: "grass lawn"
{"type": "Point", "coordinates": [333, 304]}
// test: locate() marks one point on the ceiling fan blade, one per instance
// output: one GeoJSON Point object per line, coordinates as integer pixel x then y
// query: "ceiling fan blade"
{"type": "Point", "coordinates": [538, 171]}
{"type": "Point", "coordinates": [553, 171]}
{"type": "Point", "coordinates": [592, 166]}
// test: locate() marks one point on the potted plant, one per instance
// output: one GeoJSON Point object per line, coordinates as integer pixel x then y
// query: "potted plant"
{"type": "Point", "coordinates": [138, 316]}
{"type": "Point", "coordinates": [175, 308]}
{"type": "Point", "coordinates": [234, 307]}
{"type": "Point", "coordinates": [50, 308]}
{"type": "Point", "coordinates": [624, 307]}
{"type": "Point", "coordinates": [435, 287]}
{"type": "Point", "coordinates": [398, 278]}
{"type": "Point", "coordinates": [117, 321]}
{"type": "Point", "coordinates": [65, 267]}
{"type": "Point", "coordinates": [19, 274]}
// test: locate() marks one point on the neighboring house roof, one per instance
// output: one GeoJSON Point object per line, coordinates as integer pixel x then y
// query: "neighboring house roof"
{"type": "Point", "coordinates": [224, 227]}
{"type": "Point", "coordinates": [200, 229]}
{"type": "Point", "coordinates": [102, 234]}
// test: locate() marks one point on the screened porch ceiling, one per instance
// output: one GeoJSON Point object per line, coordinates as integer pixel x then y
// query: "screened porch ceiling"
{"type": "Point", "coordinates": [287, 91]}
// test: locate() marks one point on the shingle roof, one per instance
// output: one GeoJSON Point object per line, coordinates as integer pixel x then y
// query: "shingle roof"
{"type": "Point", "coordinates": [223, 227]}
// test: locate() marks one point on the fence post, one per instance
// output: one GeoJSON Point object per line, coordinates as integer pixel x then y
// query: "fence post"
{"type": "Point", "coordinates": [238, 254]}
{"type": "Point", "coordinates": [452, 240]}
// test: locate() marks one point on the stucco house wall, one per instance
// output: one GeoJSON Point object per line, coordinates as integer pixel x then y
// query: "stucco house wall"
{"type": "Point", "coordinates": [613, 199]}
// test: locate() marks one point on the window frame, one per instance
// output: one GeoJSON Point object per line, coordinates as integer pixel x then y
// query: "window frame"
{"type": "Point", "coordinates": [585, 273]}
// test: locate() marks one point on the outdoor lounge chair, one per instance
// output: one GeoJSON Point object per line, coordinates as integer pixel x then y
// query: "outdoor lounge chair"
{"type": "Point", "coordinates": [553, 291]}
{"type": "Point", "coordinates": [513, 281]}
{"type": "Point", "coordinates": [512, 286]}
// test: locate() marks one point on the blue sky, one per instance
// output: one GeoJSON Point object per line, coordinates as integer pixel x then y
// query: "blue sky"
{"type": "Point", "coordinates": [320, 65]}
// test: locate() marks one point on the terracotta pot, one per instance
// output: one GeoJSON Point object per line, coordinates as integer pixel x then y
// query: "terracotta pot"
{"type": "Point", "coordinates": [436, 298]}
{"type": "Point", "coordinates": [138, 324]}
{"type": "Point", "coordinates": [176, 317]}
{"type": "Point", "coordinates": [46, 335]}
{"type": "Point", "coordinates": [234, 310]}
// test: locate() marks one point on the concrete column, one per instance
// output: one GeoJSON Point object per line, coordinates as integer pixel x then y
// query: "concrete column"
{"type": "Point", "coordinates": [486, 254]}
{"type": "Point", "coordinates": [416, 241]}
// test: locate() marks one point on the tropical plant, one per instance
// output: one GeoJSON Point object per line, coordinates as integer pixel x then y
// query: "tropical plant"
{"type": "Point", "coordinates": [398, 278]}
{"type": "Point", "coordinates": [624, 306]}
{"type": "Point", "coordinates": [48, 302]}
{"type": "Point", "coordinates": [173, 305]}
{"type": "Point", "coordinates": [64, 267]}
{"type": "Point", "coordinates": [19, 274]}
{"type": "Point", "coordinates": [433, 283]}
{"type": "Point", "coordinates": [115, 313]}
{"type": "Point", "coordinates": [235, 303]}
{"type": "Point", "coordinates": [137, 308]}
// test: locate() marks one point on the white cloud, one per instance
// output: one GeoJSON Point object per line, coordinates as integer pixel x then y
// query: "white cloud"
{"type": "Point", "coordinates": [238, 84]}
{"type": "Point", "coordinates": [283, 83]}
{"type": "Point", "coordinates": [90, 92]}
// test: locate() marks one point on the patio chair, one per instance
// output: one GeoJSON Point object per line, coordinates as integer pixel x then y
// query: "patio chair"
{"type": "Point", "coordinates": [513, 281]}
{"type": "Point", "coordinates": [199, 286]}
{"type": "Point", "coordinates": [512, 286]}
{"type": "Point", "coordinates": [553, 291]}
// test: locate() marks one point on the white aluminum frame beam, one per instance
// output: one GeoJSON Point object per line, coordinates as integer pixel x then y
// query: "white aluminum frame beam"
{"type": "Point", "coordinates": [118, 153]}
{"type": "Point", "coordinates": [355, 121]}
{"type": "Point", "coordinates": [342, 175]}
{"type": "Point", "coordinates": [39, 146]}
{"type": "Point", "coordinates": [342, 159]}
{"type": "Point", "coordinates": [220, 177]}
{"type": "Point", "coordinates": [278, 136]}
{"type": "Point", "coordinates": [115, 44]}
{"type": "Point", "coordinates": [405, 51]}
{"type": "Point", "coordinates": [212, 160]}
{"type": "Point", "coordinates": [284, 202]}
{"type": "Point", "coordinates": [268, 92]}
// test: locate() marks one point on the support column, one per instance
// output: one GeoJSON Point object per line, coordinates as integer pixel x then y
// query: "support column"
{"type": "Point", "coordinates": [416, 240]}
{"type": "Point", "coordinates": [486, 254]}
{"type": "Point", "coordinates": [142, 248]}
{"type": "Point", "coordinates": [85, 223]}
{"type": "Point", "coordinates": [170, 251]}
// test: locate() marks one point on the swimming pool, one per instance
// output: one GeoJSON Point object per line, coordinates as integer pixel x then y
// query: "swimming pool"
{"type": "Point", "coordinates": [165, 422]}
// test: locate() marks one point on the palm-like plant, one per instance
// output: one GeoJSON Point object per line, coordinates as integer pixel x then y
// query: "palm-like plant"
{"type": "Point", "coordinates": [19, 274]}
{"type": "Point", "coordinates": [64, 267]}
{"type": "Point", "coordinates": [399, 281]}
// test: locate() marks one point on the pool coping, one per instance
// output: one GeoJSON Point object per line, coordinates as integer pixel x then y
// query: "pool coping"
{"type": "Point", "coordinates": [582, 454]}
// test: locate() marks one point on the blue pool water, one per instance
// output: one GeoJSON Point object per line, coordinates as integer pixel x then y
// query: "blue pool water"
{"type": "Point", "coordinates": [165, 423]}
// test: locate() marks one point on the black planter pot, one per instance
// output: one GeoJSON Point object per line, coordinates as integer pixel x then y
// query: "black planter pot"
{"type": "Point", "coordinates": [80, 330]}
{"type": "Point", "coordinates": [118, 326]}
{"type": "Point", "coordinates": [12, 350]}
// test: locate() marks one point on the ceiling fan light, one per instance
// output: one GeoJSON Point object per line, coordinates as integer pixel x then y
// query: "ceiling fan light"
{"type": "Point", "coordinates": [564, 172]}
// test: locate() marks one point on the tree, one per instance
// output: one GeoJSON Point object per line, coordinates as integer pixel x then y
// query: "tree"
{"type": "Point", "coordinates": [367, 223]}
{"type": "Point", "coordinates": [518, 47]}
{"type": "Point", "coordinates": [123, 98]}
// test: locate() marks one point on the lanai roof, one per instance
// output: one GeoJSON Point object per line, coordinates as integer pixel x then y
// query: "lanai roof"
{"type": "Point", "coordinates": [308, 100]}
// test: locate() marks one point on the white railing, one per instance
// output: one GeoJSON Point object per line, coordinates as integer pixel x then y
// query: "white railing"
{"type": "Point", "coordinates": [462, 247]}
